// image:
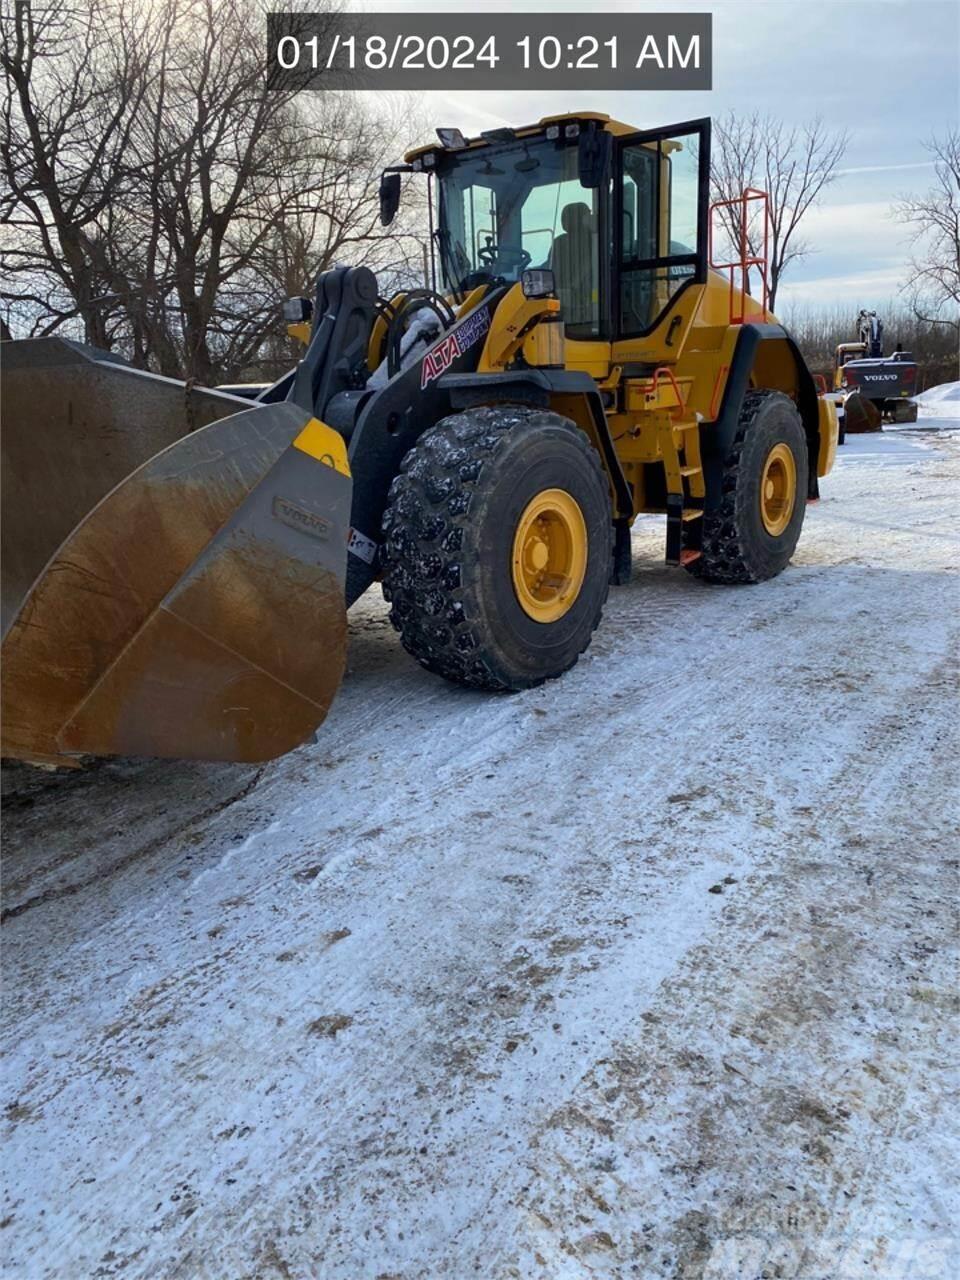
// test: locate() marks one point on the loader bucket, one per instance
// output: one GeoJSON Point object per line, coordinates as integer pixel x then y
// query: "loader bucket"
{"type": "Point", "coordinates": [170, 588]}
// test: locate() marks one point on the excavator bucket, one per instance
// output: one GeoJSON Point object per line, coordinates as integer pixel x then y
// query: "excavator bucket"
{"type": "Point", "coordinates": [173, 564]}
{"type": "Point", "coordinates": [861, 414]}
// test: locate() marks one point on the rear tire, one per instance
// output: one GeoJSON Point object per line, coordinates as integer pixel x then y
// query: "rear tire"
{"type": "Point", "coordinates": [453, 514]}
{"type": "Point", "coordinates": [748, 538]}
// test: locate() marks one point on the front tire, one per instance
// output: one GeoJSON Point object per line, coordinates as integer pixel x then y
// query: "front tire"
{"type": "Point", "coordinates": [753, 531]}
{"type": "Point", "coordinates": [498, 543]}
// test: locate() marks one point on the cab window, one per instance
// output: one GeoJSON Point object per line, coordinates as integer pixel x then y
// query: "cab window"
{"type": "Point", "coordinates": [523, 206]}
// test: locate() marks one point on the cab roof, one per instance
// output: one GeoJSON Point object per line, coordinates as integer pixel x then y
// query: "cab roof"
{"type": "Point", "coordinates": [616, 127]}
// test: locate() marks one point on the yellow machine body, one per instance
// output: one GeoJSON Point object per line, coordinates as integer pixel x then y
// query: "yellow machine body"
{"type": "Point", "coordinates": [657, 413]}
{"type": "Point", "coordinates": [654, 418]}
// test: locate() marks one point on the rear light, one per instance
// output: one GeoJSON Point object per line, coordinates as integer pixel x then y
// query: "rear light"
{"type": "Point", "coordinates": [910, 373]}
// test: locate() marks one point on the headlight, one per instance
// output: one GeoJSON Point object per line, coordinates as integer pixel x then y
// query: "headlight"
{"type": "Point", "coordinates": [296, 310]}
{"type": "Point", "coordinates": [539, 283]}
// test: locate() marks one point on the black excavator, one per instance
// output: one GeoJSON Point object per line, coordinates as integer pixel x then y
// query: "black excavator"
{"type": "Point", "coordinates": [870, 386]}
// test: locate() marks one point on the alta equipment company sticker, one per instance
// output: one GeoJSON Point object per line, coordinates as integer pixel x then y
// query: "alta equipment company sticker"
{"type": "Point", "coordinates": [439, 358]}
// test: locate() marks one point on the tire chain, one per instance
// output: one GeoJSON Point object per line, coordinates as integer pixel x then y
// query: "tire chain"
{"type": "Point", "coordinates": [423, 525]}
{"type": "Point", "coordinates": [723, 558]}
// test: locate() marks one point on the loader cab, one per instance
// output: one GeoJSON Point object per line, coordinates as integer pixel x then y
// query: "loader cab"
{"type": "Point", "coordinates": [845, 352]}
{"type": "Point", "coordinates": [623, 230]}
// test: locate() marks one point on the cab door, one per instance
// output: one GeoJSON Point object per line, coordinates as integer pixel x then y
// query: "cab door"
{"type": "Point", "coordinates": [661, 180]}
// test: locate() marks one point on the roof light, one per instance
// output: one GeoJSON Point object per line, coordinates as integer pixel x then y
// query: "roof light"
{"type": "Point", "coordinates": [553, 131]}
{"type": "Point", "coordinates": [429, 160]}
{"type": "Point", "coordinates": [571, 131]}
{"type": "Point", "coordinates": [451, 139]}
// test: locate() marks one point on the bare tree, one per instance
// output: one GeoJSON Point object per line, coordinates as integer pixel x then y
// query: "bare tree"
{"type": "Point", "coordinates": [934, 280]}
{"type": "Point", "coordinates": [175, 232]}
{"type": "Point", "coordinates": [793, 164]}
{"type": "Point", "coordinates": [74, 81]}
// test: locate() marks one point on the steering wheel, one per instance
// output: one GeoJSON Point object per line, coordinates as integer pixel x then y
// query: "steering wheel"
{"type": "Point", "coordinates": [504, 256]}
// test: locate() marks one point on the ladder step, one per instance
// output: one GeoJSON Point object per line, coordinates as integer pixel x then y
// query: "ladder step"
{"type": "Point", "coordinates": [691, 471]}
{"type": "Point", "coordinates": [691, 513]}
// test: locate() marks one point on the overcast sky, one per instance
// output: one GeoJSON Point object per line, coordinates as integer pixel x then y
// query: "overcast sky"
{"type": "Point", "coordinates": [886, 70]}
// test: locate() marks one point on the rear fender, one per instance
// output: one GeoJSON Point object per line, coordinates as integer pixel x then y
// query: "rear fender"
{"type": "Point", "coordinates": [765, 356]}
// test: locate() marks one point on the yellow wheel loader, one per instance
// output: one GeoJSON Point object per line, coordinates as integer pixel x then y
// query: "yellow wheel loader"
{"type": "Point", "coordinates": [178, 562]}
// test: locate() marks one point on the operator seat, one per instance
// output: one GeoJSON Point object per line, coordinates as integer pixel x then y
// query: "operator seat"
{"type": "Point", "coordinates": [572, 261]}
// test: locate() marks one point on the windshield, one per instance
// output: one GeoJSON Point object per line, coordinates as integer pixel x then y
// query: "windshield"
{"type": "Point", "coordinates": [522, 205]}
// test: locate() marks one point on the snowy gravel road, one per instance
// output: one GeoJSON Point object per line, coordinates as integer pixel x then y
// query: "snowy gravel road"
{"type": "Point", "coordinates": [650, 972]}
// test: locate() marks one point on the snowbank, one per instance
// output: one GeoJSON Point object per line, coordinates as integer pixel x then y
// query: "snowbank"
{"type": "Point", "coordinates": [940, 402]}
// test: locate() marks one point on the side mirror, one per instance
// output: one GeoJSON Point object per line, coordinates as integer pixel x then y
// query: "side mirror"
{"type": "Point", "coordinates": [593, 156]}
{"type": "Point", "coordinates": [389, 198]}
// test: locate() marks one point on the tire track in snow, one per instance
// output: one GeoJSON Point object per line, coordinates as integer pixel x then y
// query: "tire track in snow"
{"type": "Point", "coordinates": [889, 767]}
{"type": "Point", "coordinates": [347, 1100]}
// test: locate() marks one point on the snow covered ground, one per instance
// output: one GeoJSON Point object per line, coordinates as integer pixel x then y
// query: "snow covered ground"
{"type": "Point", "coordinates": [648, 973]}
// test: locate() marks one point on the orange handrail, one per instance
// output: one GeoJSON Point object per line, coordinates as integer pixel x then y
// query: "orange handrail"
{"type": "Point", "coordinates": [668, 373]}
{"type": "Point", "coordinates": [746, 259]}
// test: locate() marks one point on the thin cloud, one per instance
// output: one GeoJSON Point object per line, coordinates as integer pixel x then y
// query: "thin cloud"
{"type": "Point", "coordinates": [885, 168]}
{"type": "Point", "coordinates": [876, 287]}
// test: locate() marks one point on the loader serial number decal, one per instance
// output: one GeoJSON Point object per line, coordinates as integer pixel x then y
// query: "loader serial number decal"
{"type": "Point", "coordinates": [360, 545]}
{"type": "Point", "coordinates": [439, 358]}
{"type": "Point", "coordinates": [289, 513]}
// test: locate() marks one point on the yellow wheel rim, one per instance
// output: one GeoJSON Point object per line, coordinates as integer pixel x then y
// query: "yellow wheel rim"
{"type": "Point", "coordinates": [778, 489]}
{"type": "Point", "coordinates": [549, 555]}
